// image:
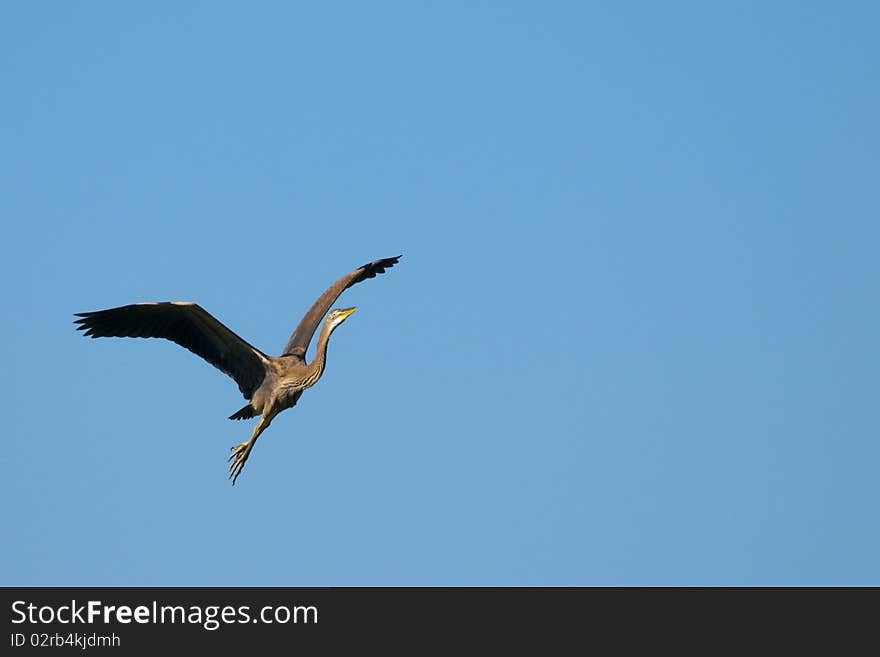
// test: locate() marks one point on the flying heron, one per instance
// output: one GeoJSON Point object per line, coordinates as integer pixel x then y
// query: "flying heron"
{"type": "Point", "coordinates": [270, 384]}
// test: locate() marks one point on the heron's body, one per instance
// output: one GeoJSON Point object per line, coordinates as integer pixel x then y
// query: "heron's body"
{"type": "Point", "coordinates": [271, 384]}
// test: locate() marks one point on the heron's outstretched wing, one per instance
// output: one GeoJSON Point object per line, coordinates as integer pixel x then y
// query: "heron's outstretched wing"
{"type": "Point", "coordinates": [299, 341]}
{"type": "Point", "coordinates": [190, 326]}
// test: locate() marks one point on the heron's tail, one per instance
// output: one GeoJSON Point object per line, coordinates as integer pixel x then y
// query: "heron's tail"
{"type": "Point", "coordinates": [244, 413]}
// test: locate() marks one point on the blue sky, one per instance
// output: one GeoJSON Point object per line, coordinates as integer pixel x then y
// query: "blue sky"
{"type": "Point", "coordinates": [632, 339]}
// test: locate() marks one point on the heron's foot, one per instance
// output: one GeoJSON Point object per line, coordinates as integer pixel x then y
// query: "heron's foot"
{"type": "Point", "coordinates": [237, 459]}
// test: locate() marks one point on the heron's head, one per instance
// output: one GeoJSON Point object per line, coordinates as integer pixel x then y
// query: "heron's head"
{"type": "Point", "coordinates": [338, 315]}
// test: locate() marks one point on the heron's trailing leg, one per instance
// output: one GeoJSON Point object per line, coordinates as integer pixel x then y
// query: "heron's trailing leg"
{"type": "Point", "coordinates": [241, 453]}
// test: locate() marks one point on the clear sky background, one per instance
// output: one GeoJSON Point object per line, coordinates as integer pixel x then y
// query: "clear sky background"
{"type": "Point", "coordinates": [633, 338]}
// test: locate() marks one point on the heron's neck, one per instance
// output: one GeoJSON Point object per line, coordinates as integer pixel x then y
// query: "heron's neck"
{"type": "Point", "coordinates": [316, 367]}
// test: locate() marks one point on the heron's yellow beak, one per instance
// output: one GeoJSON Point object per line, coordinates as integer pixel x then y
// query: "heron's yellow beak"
{"type": "Point", "coordinates": [347, 312]}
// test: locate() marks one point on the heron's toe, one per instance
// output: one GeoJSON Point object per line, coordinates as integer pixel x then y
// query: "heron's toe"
{"type": "Point", "coordinates": [238, 457]}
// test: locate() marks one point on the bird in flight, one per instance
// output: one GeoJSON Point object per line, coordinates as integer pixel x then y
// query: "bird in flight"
{"type": "Point", "coordinates": [270, 384]}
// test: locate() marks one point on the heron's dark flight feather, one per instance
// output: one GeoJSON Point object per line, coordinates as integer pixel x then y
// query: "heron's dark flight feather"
{"type": "Point", "coordinates": [190, 326]}
{"type": "Point", "coordinates": [299, 341]}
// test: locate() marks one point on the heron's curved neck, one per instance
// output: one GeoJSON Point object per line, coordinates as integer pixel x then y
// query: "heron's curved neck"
{"type": "Point", "coordinates": [316, 367]}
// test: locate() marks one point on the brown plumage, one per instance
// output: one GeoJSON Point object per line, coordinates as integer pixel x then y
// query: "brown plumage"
{"type": "Point", "coordinates": [271, 384]}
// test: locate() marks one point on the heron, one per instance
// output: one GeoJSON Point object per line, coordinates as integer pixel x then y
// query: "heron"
{"type": "Point", "coordinates": [270, 384]}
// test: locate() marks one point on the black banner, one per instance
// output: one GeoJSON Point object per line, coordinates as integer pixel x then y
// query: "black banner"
{"type": "Point", "coordinates": [129, 620]}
